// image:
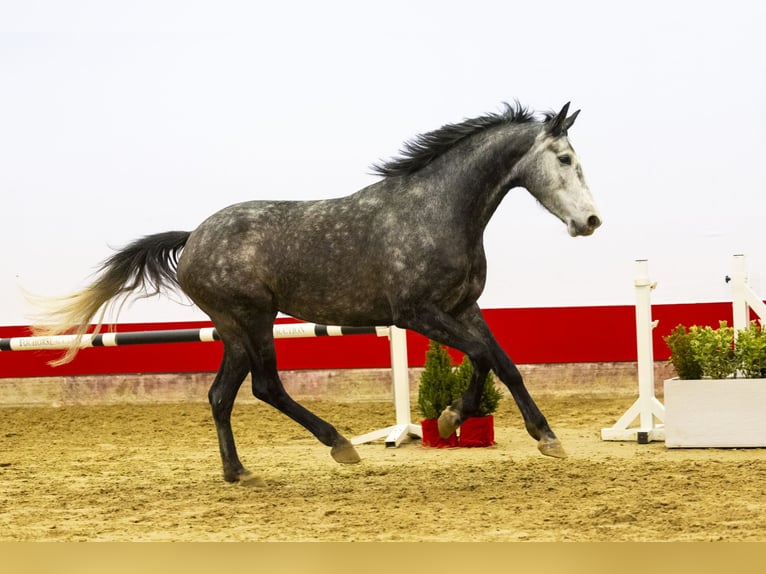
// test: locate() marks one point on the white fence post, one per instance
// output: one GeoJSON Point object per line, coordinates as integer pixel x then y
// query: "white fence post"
{"type": "Point", "coordinates": [400, 380]}
{"type": "Point", "coordinates": [743, 297]}
{"type": "Point", "coordinates": [649, 411]}
{"type": "Point", "coordinates": [740, 310]}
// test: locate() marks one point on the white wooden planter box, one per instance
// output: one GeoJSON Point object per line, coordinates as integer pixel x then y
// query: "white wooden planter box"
{"type": "Point", "coordinates": [715, 413]}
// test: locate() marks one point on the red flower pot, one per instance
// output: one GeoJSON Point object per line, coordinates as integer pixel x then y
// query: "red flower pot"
{"type": "Point", "coordinates": [477, 431]}
{"type": "Point", "coordinates": [432, 438]}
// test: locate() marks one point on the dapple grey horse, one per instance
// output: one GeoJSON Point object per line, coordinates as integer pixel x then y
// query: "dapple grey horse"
{"type": "Point", "coordinates": [405, 251]}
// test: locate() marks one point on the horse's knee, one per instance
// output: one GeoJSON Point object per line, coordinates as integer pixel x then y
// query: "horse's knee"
{"type": "Point", "coordinates": [220, 404]}
{"type": "Point", "coordinates": [213, 396]}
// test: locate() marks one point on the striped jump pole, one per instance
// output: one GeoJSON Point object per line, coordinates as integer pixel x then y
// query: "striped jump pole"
{"type": "Point", "coordinates": [204, 335]}
{"type": "Point", "coordinates": [397, 339]}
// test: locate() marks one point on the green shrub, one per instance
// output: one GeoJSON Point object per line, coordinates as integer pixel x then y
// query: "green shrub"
{"type": "Point", "coordinates": [750, 351]}
{"type": "Point", "coordinates": [681, 355]}
{"type": "Point", "coordinates": [714, 350]}
{"type": "Point", "coordinates": [441, 384]}
{"type": "Point", "coordinates": [704, 352]}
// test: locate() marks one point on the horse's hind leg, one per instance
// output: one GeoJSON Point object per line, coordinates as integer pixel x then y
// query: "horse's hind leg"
{"type": "Point", "coordinates": [231, 374]}
{"type": "Point", "coordinates": [268, 387]}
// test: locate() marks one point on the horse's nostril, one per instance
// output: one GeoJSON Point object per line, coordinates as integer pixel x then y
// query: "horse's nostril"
{"type": "Point", "coordinates": [594, 221]}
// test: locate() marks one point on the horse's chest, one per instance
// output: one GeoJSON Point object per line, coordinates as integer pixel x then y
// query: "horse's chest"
{"type": "Point", "coordinates": [455, 282]}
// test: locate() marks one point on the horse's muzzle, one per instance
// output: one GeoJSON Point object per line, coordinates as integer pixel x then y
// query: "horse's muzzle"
{"type": "Point", "coordinates": [583, 229]}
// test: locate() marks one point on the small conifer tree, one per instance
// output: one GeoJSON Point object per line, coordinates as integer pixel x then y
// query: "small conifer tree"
{"type": "Point", "coordinates": [490, 396]}
{"type": "Point", "coordinates": [435, 392]}
{"type": "Point", "coordinates": [441, 384]}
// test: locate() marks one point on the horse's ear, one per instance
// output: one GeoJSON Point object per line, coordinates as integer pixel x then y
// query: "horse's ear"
{"type": "Point", "coordinates": [559, 125]}
{"type": "Point", "coordinates": [569, 121]}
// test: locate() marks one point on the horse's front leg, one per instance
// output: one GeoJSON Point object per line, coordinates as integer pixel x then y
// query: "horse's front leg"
{"type": "Point", "coordinates": [469, 333]}
{"type": "Point", "coordinates": [507, 371]}
{"type": "Point", "coordinates": [467, 405]}
{"type": "Point", "coordinates": [536, 424]}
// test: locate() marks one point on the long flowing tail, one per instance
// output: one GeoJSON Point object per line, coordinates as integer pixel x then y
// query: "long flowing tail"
{"type": "Point", "coordinates": [147, 266]}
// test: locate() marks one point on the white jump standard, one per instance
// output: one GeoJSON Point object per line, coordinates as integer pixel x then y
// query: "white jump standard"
{"type": "Point", "coordinates": [649, 411]}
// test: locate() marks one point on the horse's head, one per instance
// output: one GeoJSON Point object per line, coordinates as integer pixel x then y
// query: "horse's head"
{"type": "Point", "coordinates": [552, 173]}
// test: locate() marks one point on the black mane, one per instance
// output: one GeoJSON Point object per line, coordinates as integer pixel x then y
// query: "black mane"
{"type": "Point", "coordinates": [424, 148]}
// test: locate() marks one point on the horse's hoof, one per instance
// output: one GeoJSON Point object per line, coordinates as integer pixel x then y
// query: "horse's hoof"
{"type": "Point", "coordinates": [448, 422]}
{"type": "Point", "coordinates": [551, 447]}
{"type": "Point", "coordinates": [345, 453]}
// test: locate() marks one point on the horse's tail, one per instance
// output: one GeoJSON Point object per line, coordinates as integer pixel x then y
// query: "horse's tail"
{"type": "Point", "coordinates": [147, 265]}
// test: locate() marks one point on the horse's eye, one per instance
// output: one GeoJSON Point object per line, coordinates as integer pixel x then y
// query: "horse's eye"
{"type": "Point", "coordinates": [565, 159]}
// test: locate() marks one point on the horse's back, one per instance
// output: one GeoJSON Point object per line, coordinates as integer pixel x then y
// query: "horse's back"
{"type": "Point", "coordinates": [315, 259]}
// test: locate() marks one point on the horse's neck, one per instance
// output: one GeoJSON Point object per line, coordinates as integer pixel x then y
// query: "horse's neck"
{"type": "Point", "coordinates": [474, 177]}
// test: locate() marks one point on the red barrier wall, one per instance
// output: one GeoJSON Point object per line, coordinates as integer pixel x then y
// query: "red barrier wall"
{"type": "Point", "coordinates": [540, 335]}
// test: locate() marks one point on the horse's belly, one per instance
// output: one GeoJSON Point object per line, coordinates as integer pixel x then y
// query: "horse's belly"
{"type": "Point", "coordinates": [348, 313]}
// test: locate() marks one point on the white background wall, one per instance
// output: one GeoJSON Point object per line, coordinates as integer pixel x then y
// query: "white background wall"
{"type": "Point", "coordinates": [124, 119]}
